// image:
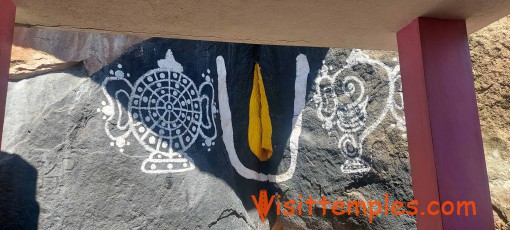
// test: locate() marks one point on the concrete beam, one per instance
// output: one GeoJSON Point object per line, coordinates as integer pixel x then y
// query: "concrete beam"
{"type": "Point", "coordinates": [330, 23]}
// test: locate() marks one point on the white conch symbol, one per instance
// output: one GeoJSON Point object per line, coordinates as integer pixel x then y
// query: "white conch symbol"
{"type": "Point", "coordinates": [351, 118]}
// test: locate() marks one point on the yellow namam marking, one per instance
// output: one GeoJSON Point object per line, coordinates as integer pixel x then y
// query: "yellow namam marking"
{"type": "Point", "coordinates": [259, 128]}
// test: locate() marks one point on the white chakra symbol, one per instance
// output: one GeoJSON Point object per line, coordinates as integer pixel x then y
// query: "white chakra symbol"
{"type": "Point", "coordinates": [166, 113]}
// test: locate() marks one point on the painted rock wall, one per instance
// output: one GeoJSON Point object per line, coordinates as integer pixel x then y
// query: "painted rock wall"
{"type": "Point", "coordinates": [71, 161]}
{"type": "Point", "coordinates": [352, 144]}
{"type": "Point", "coordinates": [160, 137]}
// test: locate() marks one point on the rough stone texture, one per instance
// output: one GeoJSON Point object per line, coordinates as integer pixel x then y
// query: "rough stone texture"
{"type": "Point", "coordinates": [57, 164]}
{"type": "Point", "coordinates": [319, 173]}
{"type": "Point", "coordinates": [27, 62]}
{"type": "Point", "coordinates": [27, 99]}
{"type": "Point", "coordinates": [57, 48]}
{"type": "Point", "coordinates": [60, 150]}
{"type": "Point", "coordinates": [83, 182]}
{"type": "Point", "coordinates": [490, 52]}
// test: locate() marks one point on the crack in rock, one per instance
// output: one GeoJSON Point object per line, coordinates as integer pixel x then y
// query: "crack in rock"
{"type": "Point", "coordinates": [227, 213]}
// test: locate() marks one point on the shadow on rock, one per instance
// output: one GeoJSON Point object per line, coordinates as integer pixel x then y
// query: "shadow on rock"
{"type": "Point", "coordinates": [18, 206]}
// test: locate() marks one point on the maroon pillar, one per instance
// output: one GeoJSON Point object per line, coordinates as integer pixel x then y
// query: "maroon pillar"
{"type": "Point", "coordinates": [7, 13]}
{"type": "Point", "coordinates": [443, 128]}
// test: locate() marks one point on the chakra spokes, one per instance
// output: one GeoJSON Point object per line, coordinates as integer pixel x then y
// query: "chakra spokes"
{"type": "Point", "coordinates": [167, 112]}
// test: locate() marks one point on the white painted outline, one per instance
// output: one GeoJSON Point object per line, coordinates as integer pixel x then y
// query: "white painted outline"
{"type": "Point", "coordinates": [161, 145]}
{"type": "Point", "coordinates": [302, 71]}
{"type": "Point", "coordinates": [356, 57]}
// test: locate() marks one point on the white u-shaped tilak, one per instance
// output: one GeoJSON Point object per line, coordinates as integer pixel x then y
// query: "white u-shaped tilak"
{"type": "Point", "coordinates": [302, 70]}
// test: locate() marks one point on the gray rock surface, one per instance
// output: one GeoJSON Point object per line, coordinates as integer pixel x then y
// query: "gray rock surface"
{"type": "Point", "coordinates": [56, 170]}
{"type": "Point", "coordinates": [26, 100]}
{"type": "Point", "coordinates": [83, 184]}
{"type": "Point", "coordinates": [319, 171]}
